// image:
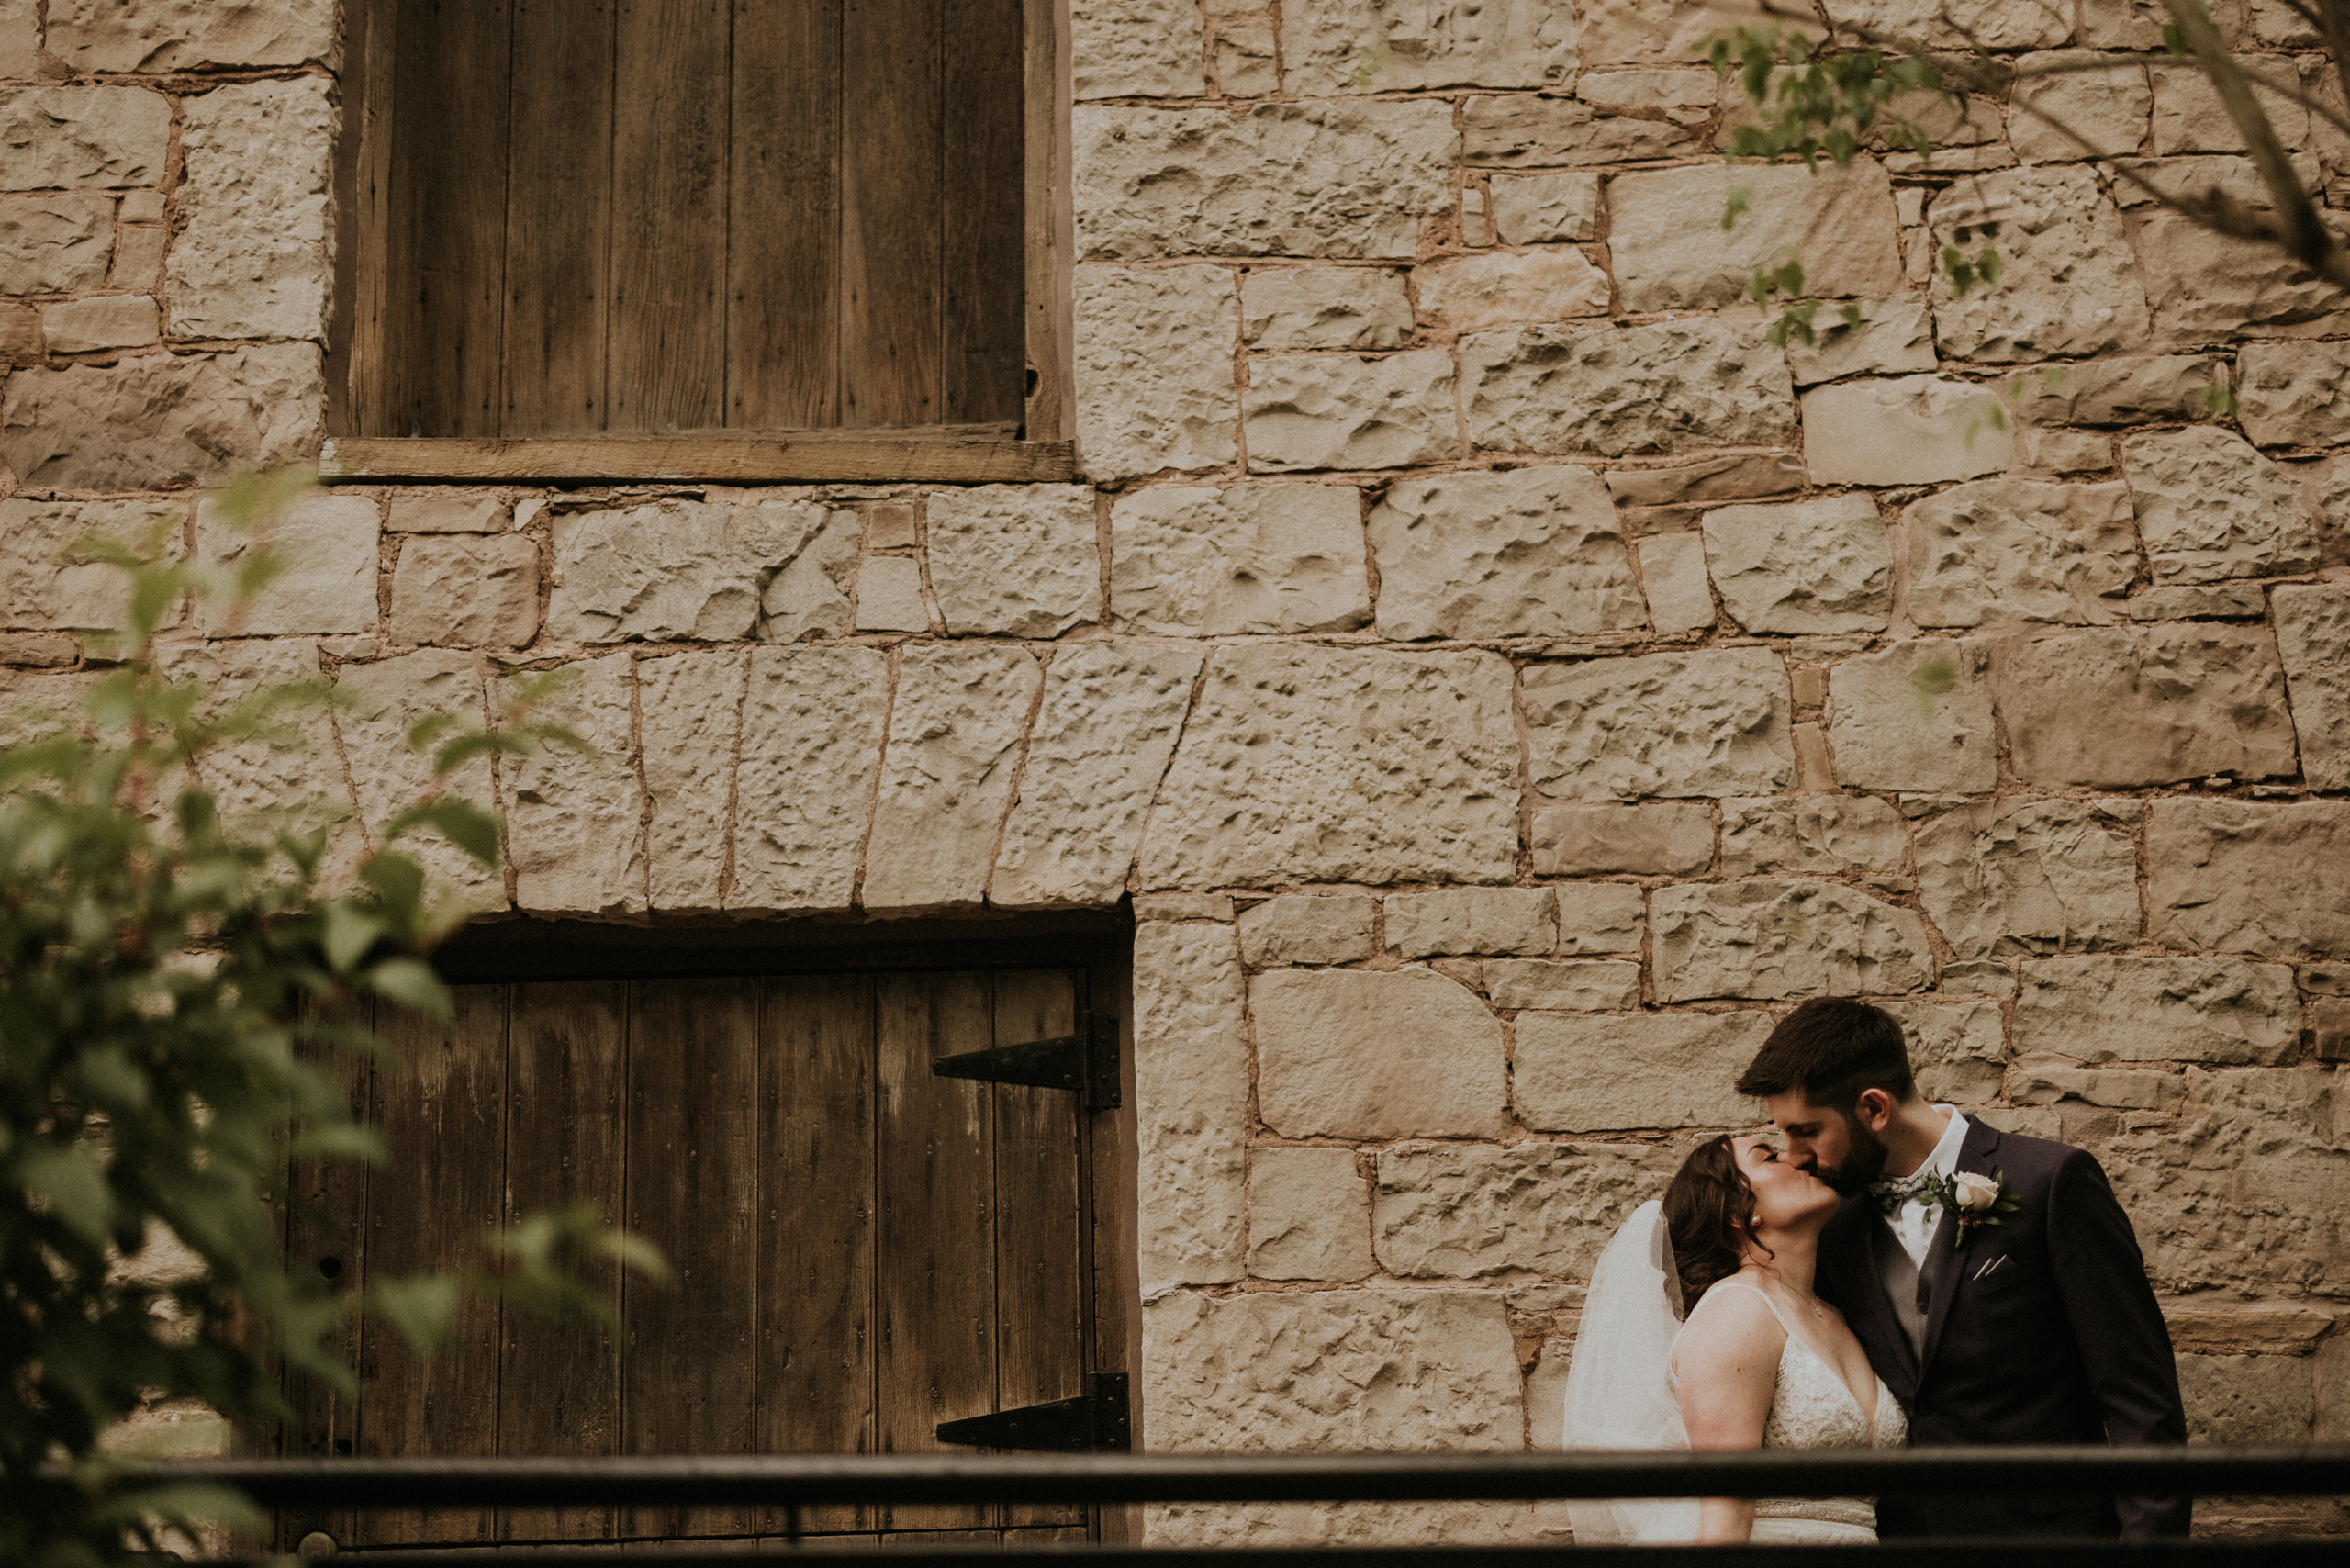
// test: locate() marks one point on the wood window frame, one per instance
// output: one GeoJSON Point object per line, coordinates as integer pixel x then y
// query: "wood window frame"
{"type": "Point", "coordinates": [1042, 451]}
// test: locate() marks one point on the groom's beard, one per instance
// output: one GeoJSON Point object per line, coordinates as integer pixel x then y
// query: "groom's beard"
{"type": "Point", "coordinates": [1864, 1160]}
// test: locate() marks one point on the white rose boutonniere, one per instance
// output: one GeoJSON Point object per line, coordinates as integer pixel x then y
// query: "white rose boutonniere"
{"type": "Point", "coordinates": [1973, 1193]}
{"type": "Point", "coordinates": [1973, 1200]}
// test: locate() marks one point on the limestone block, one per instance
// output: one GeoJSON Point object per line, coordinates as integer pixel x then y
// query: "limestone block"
{"type": "Point", "coordinates": [809, 596]}
{"type": "Point", "coordinates": [1601, 917]}
{"type": "Point", "coordinates": [139, 252]}
{"type": "Point", "coordinates": [1455, 1211]}
{"type": "Point", "coordinates": [176, 35]}
{"type": "Point", "coordinates": [1308, 928]}
{"type": "Point", "coordinates": [40, 587]}
{"type": "Point", "coordinates": [1183, 906]}
{"type": "Point", "coordinates": [1472, 920]}
{"type": "Point", "coordinates": [1911, 430]}
{"type": "Point", "coordinates": [2220, 1012]}
{"type": "Point", "coordinates": [1494, 288]}
{"type": "Point", "coordinates": [1265, 1371]}
{"type": "Point", "coordinates": [1666, 839]}
{"type": "Point", "coordinates": [1520, 130]}
{"type": "Point", "coordinates": [1311, 411]}
{"type": "Point", "coordinates": [1376, 1054]}
{"type": "Point", "coordinates": [1403, 46]}
{"type": "Point", "coordinates": [105, 321]}
{"type": "Point", "coordinates": [691, 707]}
{"type": "Point", "coordinates": [1672, 32]}
{"type": "Point", "coordinates": [1190, 1107]}
{"type": "Point", "coordinates": [2294, 393]}
{"type": "Point", "coordinates": [1710, 722]}
{"type": "Point", "coordinates": [1893, 337]}
{"type": "Point", "coordinates": [2201, 602]}
{"type": "Point", "coordinates": [38, 650]}
{"type": "Point", "coordinates": [1917, 716]}
{"type": "Point", "coordinates": [1680, 592]}
{"type": "Point", "coordinates": [1541, 209]}
{"type": "Point", "coordinates": [575, 823]}
{"type": "Point", "coordinates": [2188, 115]}
{"type": "Point", "coordinates": [1813, 835]}
{"type": "Point", "coordinates": [811, 743]}
{"type": "Point", "coordinates": [1526, 552]}
{"type": "Point", "coordinates": [1101, 742]}
{"type": "Point", "coordinates": [1015, 560]}
{"type": "Point", "coordinates": [1137, 49]}
{"type": "Point", "coordinates": [2246, 1189]}
{"type": "Point", "coordinates": [2203, 285]}
{"type": "Point", "coordinates": [2107, 107]}
{"type": "Point", "coordinates": [1325, 308]}
{"type": "Point", "coordinates": [2124, 390]}
{"type": "Point", "coordinates": [956, 725]}
{"type": "Point", "coordinates": [2120, 1088]}
{"type": "Point", "coordinates": [2029, 877]}
{"type": "Point", "coordinates": [1305, 764]}
{"type": "Point", "coordinates": [2313, 637]}
{"type": "Point", "coordinates": [291, 783]}
{"type": "Point", "coordinates": [888, 525]}
{"type": "Point", "coordinates": [1687, 89]}
{"type": "Point", "coordinates": [1665, 387]}
{"type": "Point", "coordinates": [1245, 67]}
{"type": "Point", "coordinates": [2247, 1399]}
{"type": "Point", "coordinates": [2123, 707]}
{"type": "Point", "coordinates": [1803, 567]}
{"type": "Point", "coordinates": [1959, 1049]}
{"type": "Point", "coordinates": [671, 570]}
{"type": "Point", "coordinates": [2242, 878]}
{"type": "Point", "coordinates": [1339, 179]}
{"type": "Point", "coordinates": [1666, 238]}
{"type": "Point", "coordinates": [84, 138]}
{"type": "Point", "coordinates": [1309, 1216]}
{"type": "Point", "coordinates": [1654, 1069]}
{"type": "Point", "coordinates": [2257, 1327]}
{"type": "Point", "coordinates": [1584, 985]}
{"type": "Point", "coordinates": [251, 257]}
{"type": "Point", "coordinates": [159, 422]}
{"type": "Point", "coordinates": [1775, 939]}
{"type": "Point", "coordinates": [1254, 1525]}
{"type": "Point", "coordinates": [1154, 369]}
{"type": "Point", "coordinates": [20, 335]}
{"type": "Point", "coordinates": [466, 590]}
{"type": "Point", "coordinates": [327, 584]}
{"type": "Point", "coordinates": [2070, 286]}
{"type": "Point", "coordinates": [1988, 24]}
{"type": "Point", "coordinates": [55, 241]}
{"type": "Point", "coordinates": [889, 595]}
{"type": "Point", "coordinates": [1200, 561]}
{"type": "Point", "coordinates": [2001, 550]}
{"type": "Point", "coordinates": [19, 37]}
{"type": "Point", "coordinates": [1739, 477]}
{"type": "Point", "coordinates": [2210, 508]}
{"type": "Point", "coordinates": [443, 511]}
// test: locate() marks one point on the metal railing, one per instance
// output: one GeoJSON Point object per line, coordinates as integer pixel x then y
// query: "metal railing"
{"type": "Point", "coordinates": [795, 1483]}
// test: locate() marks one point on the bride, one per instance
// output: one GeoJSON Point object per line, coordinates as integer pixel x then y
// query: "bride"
{"type": "Point", "coordinates": [1755, 1360]}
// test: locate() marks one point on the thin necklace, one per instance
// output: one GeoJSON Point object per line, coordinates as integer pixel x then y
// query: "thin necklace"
{"type": "Point", "coordinates": [1817, 1311]}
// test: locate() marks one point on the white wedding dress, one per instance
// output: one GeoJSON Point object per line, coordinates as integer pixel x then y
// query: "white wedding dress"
{"type": "Point", "coordinates": [1620, 1394]}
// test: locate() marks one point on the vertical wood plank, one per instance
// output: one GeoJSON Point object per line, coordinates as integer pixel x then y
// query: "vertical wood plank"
{"type": "Point", "coordinates": [559, 1381]}
{"type": "Point", "coordinates": [668, 365]}
{"type": "Point", "coordinates": [936, 1284]}
{"type": "Point", "coordinates": [982, 355]}
{"type": "Point", "coordinates": [784, 235]}
{"type": "Point", "coordinates": [1039, 1242]}
{"type": "Point", "coordinates": [892, 196]}
{"type": "Point", "coordinates": [1050, 221]}
{"type": "Point", "coordinates": [816, 1227]}
{"type": "Point", "coordinates": [447, 217]}
{"type": "Point", "coordinates": [688, 1385]}
{"type": "Point", "coordinates": [426, 1211]}
{"type": "Point", "coordinates": [558, 218]}
{"type": "Point", "coordinates": [359, 242]}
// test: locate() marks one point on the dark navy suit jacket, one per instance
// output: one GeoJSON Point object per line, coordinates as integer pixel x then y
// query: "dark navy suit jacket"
{"type": "Point", "coordinates": [2060, 1343]}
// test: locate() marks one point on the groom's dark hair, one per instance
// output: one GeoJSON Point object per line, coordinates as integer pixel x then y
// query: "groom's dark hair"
{"type": "Point", "coordinates": [1832, 1047]}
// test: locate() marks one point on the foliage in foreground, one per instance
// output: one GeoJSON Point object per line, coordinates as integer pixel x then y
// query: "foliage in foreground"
{"type": "Point", "coordinates": [167, 972]}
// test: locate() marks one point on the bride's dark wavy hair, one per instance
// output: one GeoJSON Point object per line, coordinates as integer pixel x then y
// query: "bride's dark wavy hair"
{"type": "Point", "coordinates": [1710, 1213]}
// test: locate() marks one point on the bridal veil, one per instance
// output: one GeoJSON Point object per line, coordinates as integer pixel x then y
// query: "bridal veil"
{"type": "Point", "coordinates": [1619, 1384]}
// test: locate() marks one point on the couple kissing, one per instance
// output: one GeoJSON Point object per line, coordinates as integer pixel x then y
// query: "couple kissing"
{"type": "Point", "coordinates": [1885, 1271]}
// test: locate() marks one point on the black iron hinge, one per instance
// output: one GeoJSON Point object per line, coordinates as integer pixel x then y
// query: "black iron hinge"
{"type": "Point", "coordinates": [1090, 1423]}
{"type": "Point", "coordinates": [1086, 1063]}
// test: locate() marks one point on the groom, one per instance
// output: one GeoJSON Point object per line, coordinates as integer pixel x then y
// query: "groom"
{"type": "Point", "coordinates": [2032, 1323]}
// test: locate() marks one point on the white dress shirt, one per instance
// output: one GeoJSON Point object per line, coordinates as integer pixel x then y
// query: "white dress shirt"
{"type": "Point", "coordinates": [1913, 1223]}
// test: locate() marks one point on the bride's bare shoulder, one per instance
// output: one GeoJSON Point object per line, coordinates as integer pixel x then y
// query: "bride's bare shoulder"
{"type": "Point", "coordinates": [1730, 1319]}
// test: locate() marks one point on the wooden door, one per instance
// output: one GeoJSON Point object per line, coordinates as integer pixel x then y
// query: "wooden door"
{"type": "Point", "coordinates": [862, 1249]}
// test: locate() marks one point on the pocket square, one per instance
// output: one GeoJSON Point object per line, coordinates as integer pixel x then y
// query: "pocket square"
{"type": "Point", "coordinates": [1993, 1266]}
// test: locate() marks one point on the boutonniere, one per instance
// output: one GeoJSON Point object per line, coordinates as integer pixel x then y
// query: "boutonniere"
{"type": "Point", "coordinates": [1973, 1200]}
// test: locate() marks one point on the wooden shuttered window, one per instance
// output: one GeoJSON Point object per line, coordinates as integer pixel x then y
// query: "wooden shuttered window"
{"type": "Point", "coordinates": [635, 217]}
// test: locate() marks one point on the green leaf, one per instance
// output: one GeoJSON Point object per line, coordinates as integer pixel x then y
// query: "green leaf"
{"type": "Point", "coordinates": [348, 932]}
{"type": "Point", "coordinates": [462, 823]}
{"type": "Point", "coordinates": [1734, 207]}
{"type": "Point", "coordinates": [418, 1309]}
{"type": "Point", "coordinates": [67, 1179]}
{"type": "Point", "coordinates": [411, 983]}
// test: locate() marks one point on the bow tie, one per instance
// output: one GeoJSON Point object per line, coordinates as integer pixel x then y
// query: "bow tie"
{"type": "Point", "coordinates": [1896, 1191]}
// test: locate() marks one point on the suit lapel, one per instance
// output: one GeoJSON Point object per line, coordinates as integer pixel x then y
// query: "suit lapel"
{"type": "Point", "coordinates": [1947, 1252]}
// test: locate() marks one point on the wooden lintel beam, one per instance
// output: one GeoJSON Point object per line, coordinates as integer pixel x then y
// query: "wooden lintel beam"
{"type": "Point", "coordinates": [846, 457]}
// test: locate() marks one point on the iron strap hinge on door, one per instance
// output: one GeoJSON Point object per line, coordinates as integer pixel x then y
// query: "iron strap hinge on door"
{"type": "Point", "coordinates": [1096, 1420]}
{"type": "Point", "coordinates": [1085, 1062]}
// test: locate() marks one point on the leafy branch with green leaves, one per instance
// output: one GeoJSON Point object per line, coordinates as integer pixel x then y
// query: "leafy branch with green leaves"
{"type": "Point", "coordinates": [170, 981]}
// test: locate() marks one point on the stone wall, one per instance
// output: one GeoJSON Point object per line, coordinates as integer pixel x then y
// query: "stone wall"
{"type": "Point", "coordinates": [1501, 680]}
